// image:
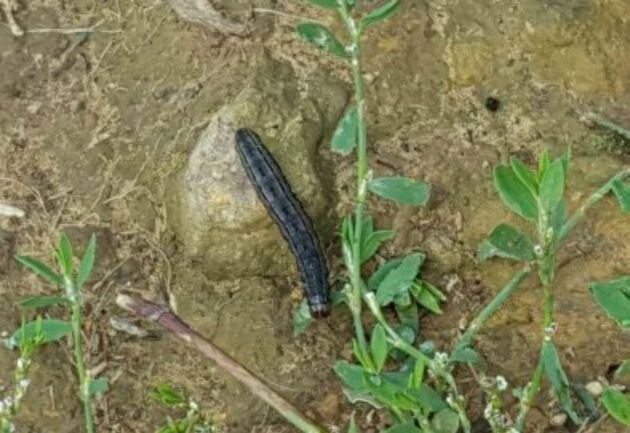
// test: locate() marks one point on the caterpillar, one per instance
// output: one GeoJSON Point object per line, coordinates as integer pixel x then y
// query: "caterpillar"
{"type": "Point", "coordinates": [287, 212]}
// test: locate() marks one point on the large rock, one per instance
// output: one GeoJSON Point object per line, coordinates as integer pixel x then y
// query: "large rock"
{"type": "Point", "coordinates": [214, 210]}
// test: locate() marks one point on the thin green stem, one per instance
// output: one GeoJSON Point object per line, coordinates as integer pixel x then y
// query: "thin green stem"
{"type": "Point", "coordinates": [466, 338]}
{"type": "Point", "coordinates": [84, 378]}
{"type": "Point", "coordinates": [357, 75]}
{"type": "Point", "coordinates": [608, 124]}
{"type": "Point", "coordinates": [593, 199]}
{"type": "Point", "coordinates": [548, 330]}
{"type": "Point", "coordinates": [528, 399]}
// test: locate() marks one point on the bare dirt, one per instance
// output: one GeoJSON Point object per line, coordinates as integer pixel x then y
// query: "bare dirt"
{"type": "Point", "coordinates": [93, 125]}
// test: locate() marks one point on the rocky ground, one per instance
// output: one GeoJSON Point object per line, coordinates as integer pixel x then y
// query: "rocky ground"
{"type": "Point", "coordinates": [122, 128]}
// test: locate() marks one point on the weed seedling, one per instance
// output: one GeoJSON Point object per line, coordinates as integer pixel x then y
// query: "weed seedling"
{"type": "Point", "coordinates": [71, 280]}
{"type": "Point", "coordinates": [192, 422]}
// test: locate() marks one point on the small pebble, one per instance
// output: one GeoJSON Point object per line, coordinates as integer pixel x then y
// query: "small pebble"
{"type": "Point", "coordinates": [595, 388]}
{"type": "Point", "coordinates": [558, 419]}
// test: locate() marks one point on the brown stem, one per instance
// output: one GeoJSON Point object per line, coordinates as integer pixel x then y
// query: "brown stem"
{"type": "Point", "coordinates": [171, 322]}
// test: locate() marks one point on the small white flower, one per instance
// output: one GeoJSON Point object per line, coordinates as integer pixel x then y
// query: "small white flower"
{"type": "Point", "coordinates": [502, 384]}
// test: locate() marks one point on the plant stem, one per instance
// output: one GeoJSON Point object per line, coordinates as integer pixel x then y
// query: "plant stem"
{"type": "Point", "coordinates": [490, 309]}
{"type": "Point", "coordinates": [608, 124]}
{"type": "Point", "coordinates": [547, 335]}
{"type": "Point", "coordinates": [359, 98]}
{"type": "Point", "coordinates": [594, 198]}
{"type": "Point", "coordinates": [84, 379]}
{"type": "Point", "coordinates": [532, 391]}
{"type": "Point", "coordinates": [439, 369]}
{"type": "Point", "coordinates": [171, 322]}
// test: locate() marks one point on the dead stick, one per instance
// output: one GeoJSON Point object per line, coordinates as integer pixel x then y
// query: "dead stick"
{"type": "Point", "coordinates": [171, 322]}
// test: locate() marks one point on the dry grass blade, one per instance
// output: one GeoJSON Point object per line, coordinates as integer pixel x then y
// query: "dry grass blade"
{"type": "Point", "coordinates": [9, 6]}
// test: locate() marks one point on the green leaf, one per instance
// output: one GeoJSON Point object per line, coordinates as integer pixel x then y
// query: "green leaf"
{"type": "Point", "coordinates": [322, 38]}
{"type": "Point", "coordinates": [65, 254]}
{"type": "Point", "coordinates": [416, 378]}
{"type": "Point", "coordinates": [166, 394]}
{"type": "Point", "coordinates": [399, 279]}
{"type": "Point", "coordinates": [515, 194]}
{"type": "Point", "coordinates": [507, 242]}
{"type": "Point", "coordinates": [525, 175]}
{"type": "Point", "coordinates": [380, 274]}
{"type": "Point", "coordinates": [372, 243]}
{"type": "Point", "coordinates": [43, 301]}
{"type": "Point", "coordinates": [363, 356]}
{"type": "Point", "coordinates": [338, 297]}
{"type": "Point", "coordinates": [543, 164]}
{"type": "Point", "coordinates": [618, 405]}
{"type": "Point", "coordinates": [352, 426]}
{"type": "Point", "coordinates": [302, 318]}
{"type": "Point", "coordinates": [87, 263]}
{"type": "Point", "coordinates": [425, 298]}
{"type": "Point", "coordinates": [623, 370]}
{"type": "Point", "coordinates": [445, 421]}
{"type": "Point", "coordinates": [389, 392]}
{"type": "Point", "coordinates": [43, 331]}
{"type": "Point", "coordinates": [558, 379]}
{"type": "Point", "coordinates": [552, 187]}
{"type": "Point", "coordinates": [351, 375]}
{"type": "Point", "coordinates": [622, 191]}
{"type": "Point", "coordinates": [40, 269]}
{"type": "Point", "coordinates": [380, 14]}
{"type": "Point", "coordinates": [428, 398]}
{"type": "Point", "coordinates": [408, 427]}
{"type": "Point", "coordinates": [466, 355]}
{"type": "Point", "coordinates": [614, 297]}
{"type": "Point", "coordinates": [327, 4]}
{"type": "Point", "coordinates": [344, 139]}
{"type": "Point", "coordinates": [378, 346]}
{"type": "Point", "coordinates": [437, 293]}
{"type": "Point", "coordinates": [410, 317]}
{"type": "Point", "coordinates": [559, 217]}
{"type": "Point", "coordinates": [401, 190]}
{"type": "Point", "coordinates": [98, 386]}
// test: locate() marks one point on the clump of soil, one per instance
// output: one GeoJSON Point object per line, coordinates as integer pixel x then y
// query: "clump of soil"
{"type": "Point", "coordinates": [95, 124]}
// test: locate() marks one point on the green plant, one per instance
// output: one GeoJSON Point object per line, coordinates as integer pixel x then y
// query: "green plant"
{"type": "Point", "coordinates": [614, 298]}
{"type": "Point", "coordinates": [192, 422]}
{"type": "Point", "coordinates": [400, 388]}
{"type": "Point", "coordinates": [538, 197]}
{"type": "Point", "coordinates": [72, 281]}
{"type": "Point", "coordinates": [27, 340]}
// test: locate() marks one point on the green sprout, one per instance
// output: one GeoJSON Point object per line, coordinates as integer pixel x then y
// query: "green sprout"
{"type": "Point", "coordinates": [71, 280]}
{"type": "Point", "coordinates": [192, 422]}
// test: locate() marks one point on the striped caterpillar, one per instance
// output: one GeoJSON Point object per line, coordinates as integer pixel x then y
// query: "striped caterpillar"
{"type": "Point", "coordinates": [287, 212]}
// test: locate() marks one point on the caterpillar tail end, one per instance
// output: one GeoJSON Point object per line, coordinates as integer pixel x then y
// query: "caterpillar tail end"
{"type": "Point", "coordinates": [319, 307]}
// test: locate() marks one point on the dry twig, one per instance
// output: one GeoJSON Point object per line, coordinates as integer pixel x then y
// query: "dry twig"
{"type": "Point", "coordinates": [171, 322]}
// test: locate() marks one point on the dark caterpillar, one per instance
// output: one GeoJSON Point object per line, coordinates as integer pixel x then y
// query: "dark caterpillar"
{"type": "Point", "coordinates": [286, 210]}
